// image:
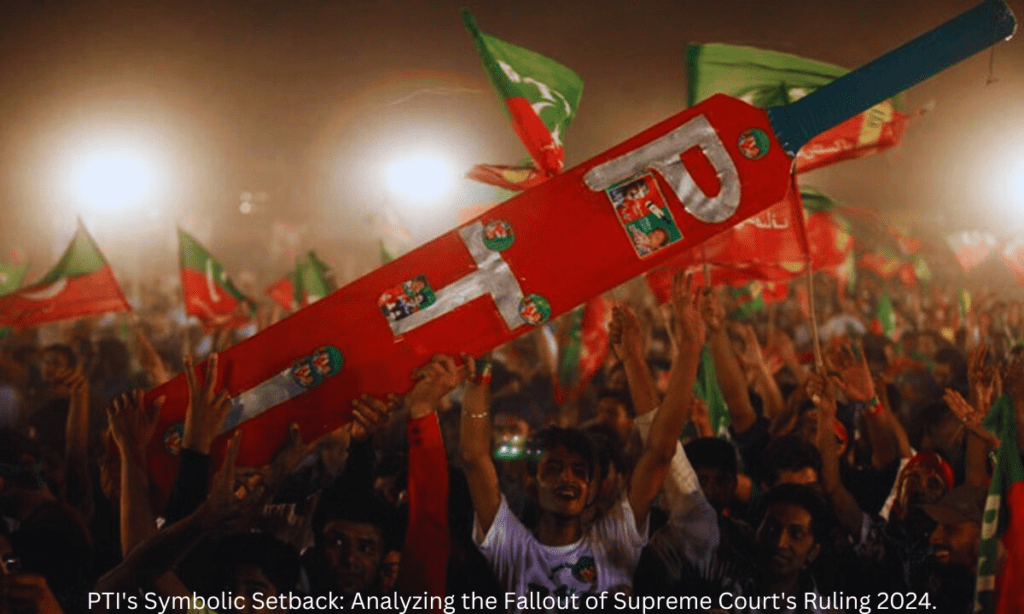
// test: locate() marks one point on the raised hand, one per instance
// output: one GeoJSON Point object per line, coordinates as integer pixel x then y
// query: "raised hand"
{"type": "Point", "coordinates": [132, 423]}
{"type": "Point", "coordinates": [436, 379]}
{"type": "Point", "coordinates": [820, 391]}
{"type": "Point", "coordinates": [701, 417]}
{"type": "Point", "coordinates": [712, 311]}
{"type": "Point", "coordinates": [207, 408]}
{"type": "Point", "coordinates": [369, 415]}
{"type": "Point", "coordinates": [223, 505]}
{"type": "Point", "coordinates": [688, 307]}
{"type": "Point", "coordinates": [624, 334]}
{"type": "Point", "coordinates": [981, 376]}
{"type": "Point", "coordinates": [970, 416]}
{"type": "Point", "coordinates": [854, 376]}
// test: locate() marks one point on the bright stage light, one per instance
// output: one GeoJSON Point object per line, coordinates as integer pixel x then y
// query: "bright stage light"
{"type": "Point", "coordinates": [421, 178]}
{"type": "Point", "coordinates": [113, 181]}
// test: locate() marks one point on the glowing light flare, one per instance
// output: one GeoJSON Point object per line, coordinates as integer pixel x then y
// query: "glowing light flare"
{"type": "Point", "coordinates": [423, 179]}
{"type": "Point", "coordinates": [113, 181]}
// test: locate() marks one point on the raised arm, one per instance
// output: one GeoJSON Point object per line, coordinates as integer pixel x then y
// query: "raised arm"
{"type": "Point", "coordinates": [475, 445]}
{"type": "Point", "coordinates": [727, 368]}
{"type": "Point", "coordinates": [424, 562]}
{"type": "Point", "coordinates": [656, 458]}
{"type": "Point", "coordinates": [627, 342]}
{"type": "Point", "coordinates": [131, 426]}
{"type": "Point", "coordinates": [822, 393]}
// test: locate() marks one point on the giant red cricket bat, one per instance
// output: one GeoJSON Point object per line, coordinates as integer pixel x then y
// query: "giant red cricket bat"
{"type": "Point", "coordinates": [543, 252]}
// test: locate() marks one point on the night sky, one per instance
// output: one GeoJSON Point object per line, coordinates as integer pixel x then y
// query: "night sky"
{"type": "Point", "coordinates": [305, 99]}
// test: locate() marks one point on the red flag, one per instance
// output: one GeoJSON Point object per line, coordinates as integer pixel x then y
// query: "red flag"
{"type": "Point", "coordinates": [282, 292]}
{"type": "Point", "coordinates": [585, 349]}
{"type": "Point", "coordinates": [515, 178]}
{"type": "Point", "coordinates": [971, 247]}
{"type": "Point", "coordinates": [81, 284]}
{"type": "Point", "coordinates": [210, 295]}
{"type": "Point", "coordinates": [1013, 256]}
{"type": "Point", "coordinates": [873, 131]}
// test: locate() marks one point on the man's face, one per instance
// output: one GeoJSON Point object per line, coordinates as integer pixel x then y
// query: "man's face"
{"type": "Point", "coordinates": [353, 552]}
{"type": "Point", "coordinates": [785, 539]}
{"type": "Point", "coordinates": [922, 485]}
{"type": "Point", "coordinates": [718, 486]}
{"type": "Point", "coordinates": [957, 544]}
{"type": "Point", "coordinates": [562, 483]}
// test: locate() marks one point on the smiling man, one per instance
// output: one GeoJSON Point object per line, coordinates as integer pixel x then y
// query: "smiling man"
{"type": "Point", "coordinates": [955, 544]}
{"type": "Point", "coordinates": [564, 557]}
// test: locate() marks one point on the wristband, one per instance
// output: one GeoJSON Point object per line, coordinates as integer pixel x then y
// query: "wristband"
{"type": "Point", "coordinates": [873, 406]}
{"type": "Point", "coordinates": [483, 374]}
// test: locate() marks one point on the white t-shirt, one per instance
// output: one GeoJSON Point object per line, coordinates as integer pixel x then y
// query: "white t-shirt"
{"type": "Point", "coordinates": [604, 559]}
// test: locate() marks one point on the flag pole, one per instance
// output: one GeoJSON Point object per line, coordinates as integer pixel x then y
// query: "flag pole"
{"type": "Point", "coordinates": [798, 214]}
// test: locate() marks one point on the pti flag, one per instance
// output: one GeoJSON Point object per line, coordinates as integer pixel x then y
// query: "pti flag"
{"type": "Point", "coordinates": [1013, 256]}
{"type": "Point", "coordinates": [971, 247]}
{"type": "Point", "coordinates": [999, 590]}
{"type": "Point", "coordinates": [769, 78]}
{"type": "Point", "coordinates": [11, 276]}
{"type": "Point", "coordinates": [613, 217]}
{"type": "Point", "coordinates": [81, 284]}
{"type": "Point", "coordinates": [282, 292]}
{"type": "Point", "coordinates": [585, 348]}
{"type": "Point", "coordinates": [514, 178]}
{"type": "Point", "coordinates": [313, 279]}
{"type": "Point", "coordinates": [540, 94]}
{"type": "Point", "coordinates": [209, 293]}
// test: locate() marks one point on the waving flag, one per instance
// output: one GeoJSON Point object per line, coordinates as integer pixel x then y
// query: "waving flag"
{"type": "Point", "coordinates": [585, 348]}
{"type": "Point", "coordinates": [971, 247]}
{"type": "Point", "coordinates": [540, 94]}
{"type": "Point", "coordinates": [313, 279]}
{"type": "Point", "coordinates": [81, 284]}
{"type": "Point", "coordinates": [282, 292]}
{"type": "Point", "coordinates": [1013, 256]}
{"type": "Point", "coordinates": [769, 78]}
{"type": "Point", "coordinates": [999, 591]}
{"type": "Point", "coordinates": [11, 276]}
{"type": "Point", "coordinates": [515, 178]}
{"type": "Point", "coordinates": [210, 294]}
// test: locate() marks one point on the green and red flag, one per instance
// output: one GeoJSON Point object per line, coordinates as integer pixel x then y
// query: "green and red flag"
{"type": "Point", "coordinates": [515, 178]}
{"type": "Point", "coordinates": [11, 276]}
{"type": "Point", "coordinates": [971, 247]}
{"type": "Point", "coordinates": [706, 388]}
{"type": "Point", "coordinates": [210, 295]}
{"type": "Point", "coordinates": [767, 78]}
{"type": "Point", "coordinates": [885, 263]}
{"type": "Point", "coordinates": [1013, 256]}
{"type": "Point", "coordinates": [585, 347]}
{"type": "Point", "coordinates": [540, 95]}
{"type": "Point", "coordinates": [312, 280]}
{"type": "Point", "coordinates": [282, 292]}
{"type": "Point", "coordinates": [998, 590]}
{"type": "Point", "coordinates": [884, 321]}
{"type": "Point", "coordinates": [81, 284]}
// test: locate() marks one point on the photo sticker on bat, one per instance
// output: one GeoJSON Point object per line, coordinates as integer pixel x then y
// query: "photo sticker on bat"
{"type": "Point", "coordinates": [406, 299]}
{"type": "Point", "coordinates": [644, 215]}
{"type": "Point", "coordinates": [498, 235]}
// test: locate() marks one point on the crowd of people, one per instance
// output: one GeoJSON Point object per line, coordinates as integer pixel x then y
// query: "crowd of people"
{"type": "Point", "coordinates": [792, 482]}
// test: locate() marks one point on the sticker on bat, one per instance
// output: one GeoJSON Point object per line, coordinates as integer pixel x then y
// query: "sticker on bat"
{"type": "Point", "coordinates": [406, 299]}
{"type": "Point", "coordinates": [498, 235]}
{"type": "Point", "coordinates": [754, 143]}
{"type": "Point", "coordinates": [534, 309]}
{"type": "Point", "coordinates": [641, 210]}
{"type": "Point", "coordinates": [311, 371]}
